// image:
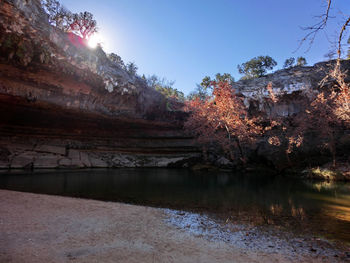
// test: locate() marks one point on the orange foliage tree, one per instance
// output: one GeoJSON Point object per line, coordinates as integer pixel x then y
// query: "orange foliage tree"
{"type": "Point", "coordinates": [324, 115]}
{"type": "Point", "coordinates": [222, 119]}
{"type": "Point", "coordinates": [330, 110]}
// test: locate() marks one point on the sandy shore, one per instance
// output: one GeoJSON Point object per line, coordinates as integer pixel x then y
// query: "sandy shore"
{"type": "Point", "coordinates": [41, 228]}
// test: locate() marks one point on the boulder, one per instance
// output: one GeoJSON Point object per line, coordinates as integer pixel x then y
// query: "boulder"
{"type": "Point", "coordinates": [223, 162]}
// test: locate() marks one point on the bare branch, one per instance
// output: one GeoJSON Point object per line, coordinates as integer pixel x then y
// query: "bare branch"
{"type": "Point", "coordinates": [341, 34]}
{"type": "Point", "coordinates": [314, 29]}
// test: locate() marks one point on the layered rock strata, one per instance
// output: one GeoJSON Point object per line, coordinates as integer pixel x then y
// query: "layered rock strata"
{"type": "Point", "coordinates": [63, 105]}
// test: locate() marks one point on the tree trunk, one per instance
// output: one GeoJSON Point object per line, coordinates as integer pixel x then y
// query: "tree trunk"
{"type": "Point", "coordinates": [240, 150]}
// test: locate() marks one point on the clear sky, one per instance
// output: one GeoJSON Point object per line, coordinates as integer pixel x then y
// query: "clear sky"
{"type": "Point", "coordinates": [185, 40]}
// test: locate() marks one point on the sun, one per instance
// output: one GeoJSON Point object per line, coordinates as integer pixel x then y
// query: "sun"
{"type": "Point", "coordinates": [94, 40]}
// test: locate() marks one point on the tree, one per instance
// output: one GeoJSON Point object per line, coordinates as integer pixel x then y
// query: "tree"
{"type": "Point", "coordinates": [226, 77]}
{"type": "Point", "coordinates": [58, 16]}
{"type": "Point", "coordinates": [165, 87]}
{"type": "Point", "coordinates": [301, 61]}
{"type": "Point", "coordinates": [222, 119]}
{"type": "Point", "coordinates": [200, 93]}
{"type": "Point", "coordinates": [131, 68]}
{"type": "Point", "coordinates": [116, 59]}
{"type": "Point", "coordinates": [256, 67]}
{"type": "Point", "coordinates": [207, 81]}
{"type": "Point", "coordinates": [289, 62]}
{"type": "Point", "coordinates": [349, 48]}
{"type": "Point", "coordinates": [83, 24]}
{"type": "Point", "coordinates": [330, 110]}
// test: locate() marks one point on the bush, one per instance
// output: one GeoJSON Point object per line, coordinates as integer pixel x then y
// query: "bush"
{"type": "Point", "coordinates": [289, 62]}
{"type": "Point", "coordinates": [256, 67]}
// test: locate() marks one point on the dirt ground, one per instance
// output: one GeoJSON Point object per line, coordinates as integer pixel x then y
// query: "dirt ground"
{"type": "Point", "coordinates": [41, 228]}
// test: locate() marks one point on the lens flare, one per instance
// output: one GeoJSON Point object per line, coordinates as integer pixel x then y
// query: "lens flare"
{"type": "Point", "coordinates": [94, 41]}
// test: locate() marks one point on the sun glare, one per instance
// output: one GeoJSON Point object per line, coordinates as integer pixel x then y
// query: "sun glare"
{"type": "Point", "coordinates": [94, 41]}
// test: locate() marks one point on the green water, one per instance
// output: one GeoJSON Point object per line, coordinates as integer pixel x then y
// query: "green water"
{"type": "Point", "coordinates": [322, 209]}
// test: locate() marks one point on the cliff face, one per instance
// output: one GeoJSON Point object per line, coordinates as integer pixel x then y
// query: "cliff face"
{"type": "Point", "coordinates": [292, 86]}
{"type": "Point", "coordinates": [295, 88]}
{"type": "Point", "coordinates": [65, 105]}
{"type": "Point", "coordinates": [58, 68]}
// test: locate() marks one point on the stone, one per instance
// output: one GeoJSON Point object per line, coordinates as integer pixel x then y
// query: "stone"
{"type": "Point", "coordinates": [4, 154]}
{"type": "Point", "coordinates": [84, 158]}
{"type": "Point", "coordinates": [22, 160]}
{"type": "Point", "coordinates": [4, 165]}
{"type": "Point", "coordinates": [65, 162]}
{"type": "Point", "coordinates": [223, 162]}
{"type": "Point", "coordinates": [51, 149]}
{"type": "Point", "coordinates": [46, 161]}
{"type": "Point", "coordinates": [165, 162]}
{"type": "Point", "coordinates": [74, 155]}
{"type": "Point", "coordinates": [98, 163]}
{"type": "Point", "coordinates": [122, 160]}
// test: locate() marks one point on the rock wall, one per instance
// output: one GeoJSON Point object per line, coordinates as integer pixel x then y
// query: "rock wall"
{"type": "Point", "coordinates": [63, 105]}
{"type": "Point", "coordinates": [41, 62]}
{"type": "Point", "coordinates": [292, 86]}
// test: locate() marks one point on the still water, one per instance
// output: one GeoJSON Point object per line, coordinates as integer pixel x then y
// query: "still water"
{"type": "Point", "coordinates": [320, 208]}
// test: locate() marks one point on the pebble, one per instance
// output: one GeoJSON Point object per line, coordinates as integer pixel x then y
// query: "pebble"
{"type": "Point", "coordinates": [256, 238]}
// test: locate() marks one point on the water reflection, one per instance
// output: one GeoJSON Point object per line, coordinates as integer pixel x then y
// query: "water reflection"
{"type": "Point", "coordinates": [321, 208]}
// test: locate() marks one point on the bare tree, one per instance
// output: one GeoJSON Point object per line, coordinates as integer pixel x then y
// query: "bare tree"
{"type": "Point", "coordinates": [58, 15]}
{"type": "Point", "coordinates": [322, 24]}
{"type": "Point", "coordinates": [84, 25]}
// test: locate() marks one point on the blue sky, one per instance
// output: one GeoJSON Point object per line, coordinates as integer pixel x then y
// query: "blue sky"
{"type": "Point", "coordinates": [185, 40]}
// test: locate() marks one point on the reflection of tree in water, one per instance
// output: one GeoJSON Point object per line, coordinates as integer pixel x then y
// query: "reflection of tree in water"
{"type": "Point", "coordinates": [315, 208]}
{"type": "Point", "coordinates": [253, 199]}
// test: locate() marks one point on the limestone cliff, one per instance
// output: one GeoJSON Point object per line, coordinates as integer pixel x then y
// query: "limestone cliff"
{"type": "Point", "coordinates": [65, 105]}
{"type": "Point", "coordinates": [292, 86]}
{"type": "Point", "coordinates": [295, 88]}
{"type": "Point", "coordinates": [58, 68]}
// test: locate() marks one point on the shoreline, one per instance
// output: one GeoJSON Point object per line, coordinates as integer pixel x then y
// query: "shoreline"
{"type": "Point", "coordinates": [44, 228]}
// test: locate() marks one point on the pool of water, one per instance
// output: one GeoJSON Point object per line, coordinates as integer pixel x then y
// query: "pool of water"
{"type": "Point", "coordinates": [319, 208]}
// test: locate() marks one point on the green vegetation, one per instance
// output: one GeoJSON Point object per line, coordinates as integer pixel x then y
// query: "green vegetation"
{"type": "Point", "coordinates": [116, 59]}
{"type": "Point", "coordinates": [256, 67]}
{"type": "Point", "coordinates": [202, 91]}
{"type": "Point", "coordinates": [301, 61]}
{"type": "Point", "coordinates": [165, 87]}
{"type": "Point", "coordinates": [289, 62]}
{"type": "Point", "coordinates": [131, 68]}
{"type": "Point", "coordinates": [199, 93]}
{"type": "Point", "coordinates": [207, 81]}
